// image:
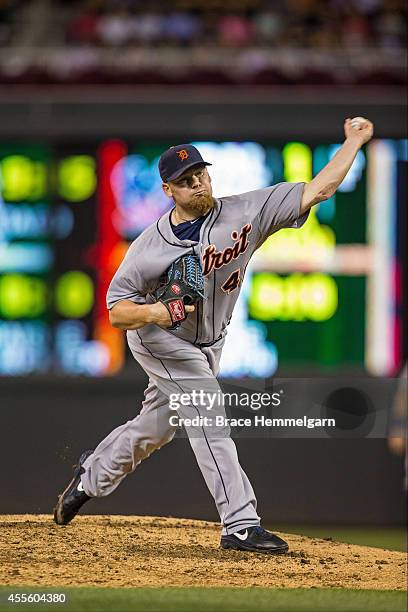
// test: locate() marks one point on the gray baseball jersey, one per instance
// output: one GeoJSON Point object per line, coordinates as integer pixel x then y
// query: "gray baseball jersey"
{"type": "Point", "coordinates": [237, 226]}
{"type": "Point", "coordinates": [186, 359]}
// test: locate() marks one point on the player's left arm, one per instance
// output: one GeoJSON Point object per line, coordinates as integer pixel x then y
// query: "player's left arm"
{"type": "Point", "coordinates": [324, 185]}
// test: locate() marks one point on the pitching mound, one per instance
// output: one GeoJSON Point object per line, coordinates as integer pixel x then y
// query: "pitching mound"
{"type": "Point", "coordinates": [121, 551]}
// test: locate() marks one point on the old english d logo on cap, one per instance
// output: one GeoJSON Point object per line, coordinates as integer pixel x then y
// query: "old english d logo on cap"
{"type": "Point", "coordinates": [178, 159]}
{"type": "Point", "coordinates": [182, 154]}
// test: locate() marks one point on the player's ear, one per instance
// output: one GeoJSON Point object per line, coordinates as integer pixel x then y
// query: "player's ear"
{"type": "Point", "coordinates": [167, 189]}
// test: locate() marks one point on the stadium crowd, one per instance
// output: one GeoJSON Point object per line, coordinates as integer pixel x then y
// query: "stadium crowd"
{"type": "Point", "coordinates": [297, 23]}
{"type": "Point", "coordinates": [205, 41]}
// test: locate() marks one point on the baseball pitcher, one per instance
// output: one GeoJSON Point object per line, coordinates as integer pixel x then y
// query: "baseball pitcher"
{"type": "Point", "coordinates": [174, 294]}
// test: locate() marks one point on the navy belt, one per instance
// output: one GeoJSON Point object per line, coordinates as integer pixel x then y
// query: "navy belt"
{"type": "Point", "coordinates": [207, 344]}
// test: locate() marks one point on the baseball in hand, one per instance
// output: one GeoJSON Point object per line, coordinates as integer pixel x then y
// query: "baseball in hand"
{"type": "Point", "coordinates": [359, 128]}
{"type": "Point", "coordinates": [358, 122]}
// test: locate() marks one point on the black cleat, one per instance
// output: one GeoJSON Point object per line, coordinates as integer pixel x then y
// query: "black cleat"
{"type": "Point", "coordinates": [71, 500]}
{"type": "Point", "coordinates": [255, 539]}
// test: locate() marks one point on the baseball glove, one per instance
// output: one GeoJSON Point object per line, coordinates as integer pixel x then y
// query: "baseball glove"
{"type": "Point", "coordinates": [183, 285]}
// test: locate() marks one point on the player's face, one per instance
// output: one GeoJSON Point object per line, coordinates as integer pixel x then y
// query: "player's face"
{"type": "Point", "coordinates": [192, 190]}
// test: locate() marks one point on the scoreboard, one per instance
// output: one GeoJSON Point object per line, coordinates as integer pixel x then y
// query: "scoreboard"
{"type": "Point", "coordinates": [325, 296]}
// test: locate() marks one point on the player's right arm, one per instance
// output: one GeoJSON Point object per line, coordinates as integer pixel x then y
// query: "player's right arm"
{"type": "Point", "coordinates": [126, 297]}
{"type": "Point", "coordinates": [128, 291]}
{"type": "Point", "coordinates": [125, 314]}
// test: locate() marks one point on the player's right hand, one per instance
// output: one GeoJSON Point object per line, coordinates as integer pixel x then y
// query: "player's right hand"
{"type": "Point", "coordinates": [161, 316]}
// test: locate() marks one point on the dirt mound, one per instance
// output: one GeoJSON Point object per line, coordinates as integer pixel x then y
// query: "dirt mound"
{"type": "Point", "coordinates": [134, 551]}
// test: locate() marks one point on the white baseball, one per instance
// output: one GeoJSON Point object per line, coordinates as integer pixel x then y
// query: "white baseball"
{"type": "Point", "coordinates": [357, 122]}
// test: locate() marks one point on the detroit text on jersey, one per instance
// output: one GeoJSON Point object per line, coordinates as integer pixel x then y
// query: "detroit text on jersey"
{"type": "Point", "coordinates": [213, 259]}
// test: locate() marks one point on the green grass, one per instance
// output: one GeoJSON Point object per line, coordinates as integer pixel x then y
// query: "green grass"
{"type": "Point", "coordinates": [390, 538]}
{"type": "Point", "coordinates": [172, 599]}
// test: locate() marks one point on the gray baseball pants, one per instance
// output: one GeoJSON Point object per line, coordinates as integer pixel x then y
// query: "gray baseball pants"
{"type": "Point", "coordinates": [175, 366]}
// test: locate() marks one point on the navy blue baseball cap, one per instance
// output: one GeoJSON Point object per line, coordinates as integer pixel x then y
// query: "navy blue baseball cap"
{"type": "Point", "coordinates": [178, 159]}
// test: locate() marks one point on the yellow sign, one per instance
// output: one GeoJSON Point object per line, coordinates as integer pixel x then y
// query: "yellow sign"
{"type": "Point", "coordinates": [77, 178]}
{"type": "Point", "coordinates": [22, 297]}
{"type": "Point", "coordinates": [297, 297]}
{"type": "Point", "coordinates": [22, 178]}
{"type": "Point", "coordinates": [74, 295]}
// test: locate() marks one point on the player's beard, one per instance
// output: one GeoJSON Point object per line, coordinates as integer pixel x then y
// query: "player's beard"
{"type": "Point", "coordinates": [200, 205]}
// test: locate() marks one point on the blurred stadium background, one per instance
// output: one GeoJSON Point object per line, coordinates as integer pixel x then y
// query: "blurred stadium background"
{"type": "Point", "coordinates": [91, 93]}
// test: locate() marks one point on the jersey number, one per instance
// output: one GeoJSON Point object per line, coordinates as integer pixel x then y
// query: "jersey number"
{"type": "Point", "coordinates": [232, 281]}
